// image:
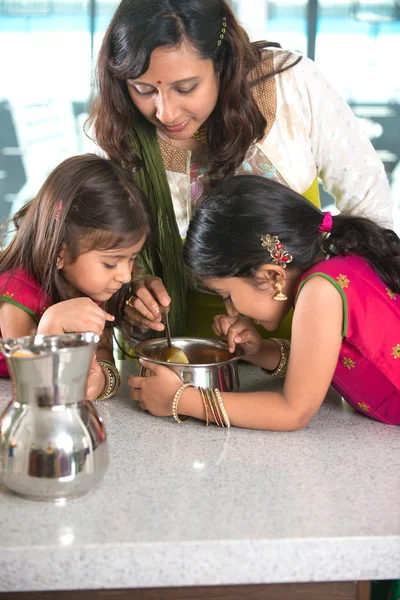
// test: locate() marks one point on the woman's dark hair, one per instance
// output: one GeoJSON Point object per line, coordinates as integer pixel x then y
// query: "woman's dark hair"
{"type": "Point", "coordinates": [137, 28]}
{"type": "Point", "coordinates": [86, 203]}
{"type": "Point", "coordinates": [223, 239]}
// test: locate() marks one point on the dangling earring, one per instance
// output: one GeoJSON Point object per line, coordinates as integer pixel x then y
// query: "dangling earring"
{"type": "Point", "coordinates": [280, 296]}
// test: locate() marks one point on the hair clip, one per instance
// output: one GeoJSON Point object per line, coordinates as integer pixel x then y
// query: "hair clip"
{"type": "Point", "coordinates": [58, 210]}
{"type": "Point", "coordinates": [278, 253]}
{"type": "Point", "coordinates": [223, 31]}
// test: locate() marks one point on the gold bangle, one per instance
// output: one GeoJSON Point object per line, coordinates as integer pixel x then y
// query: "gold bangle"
{"type": "Point", "coordinates": [222, 407]}
{"type": "Point", "coordinates": [284, 349]}
{"type": "Point", "coordinates": [114, 375]}
{"type": "Point", "coordinates": [113, 380]}
{"type": "Point", "coordinates": [282, 367]}
{"type": "Point", "coordinates": [286, 344]}
{"type": "Point", "coordinates": [214, 407]}
{"type": "Point", "coordinates": [108, 385]}
{"type": "Point", "coordinates": [217, 408]}
{"type": "Point", "coordinates": [204, 401]}
{"type": "Point", "coordinates": [210, 409]}
{"type": "Point", "coordinates": [211, 405]}
{"type": "Point", "coordinates": [176, 400]}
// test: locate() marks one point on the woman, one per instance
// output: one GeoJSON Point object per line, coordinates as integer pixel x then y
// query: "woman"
{"type": "Point", "coordinates": [184, 94]}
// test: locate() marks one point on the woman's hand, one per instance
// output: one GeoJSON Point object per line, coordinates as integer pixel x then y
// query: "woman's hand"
{"type": "Point", "coordinates": [238, 330]}
{"type": "Point", "coordinates": [142, 307]}
{"type": "Point", "coordinates": [96, 381]}
{"type": "Point", "coordinates": [155, 393]}
{"type": "Point", "coordinates": [76, 315]}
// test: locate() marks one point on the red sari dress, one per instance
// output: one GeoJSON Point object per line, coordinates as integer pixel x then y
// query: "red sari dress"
{"type": "Point", "coordinates": [367, 373]}
{"type": "Point", "coordinates": [20, 289]}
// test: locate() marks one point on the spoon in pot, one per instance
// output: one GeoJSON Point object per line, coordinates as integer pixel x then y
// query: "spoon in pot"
{"type": "Point", "coordinates": [173, 354]}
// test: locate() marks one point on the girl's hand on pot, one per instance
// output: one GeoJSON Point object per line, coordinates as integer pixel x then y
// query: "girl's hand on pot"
{"type": "Point", "coordinates": [142, 306]}
{"type": "Point", "coordinates": [155, 393]}
{"type": "Point", "coordinates": [238, 330]}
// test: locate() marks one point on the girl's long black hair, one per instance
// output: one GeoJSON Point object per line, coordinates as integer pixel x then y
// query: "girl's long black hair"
{"type": "Point", "coordinates": [223, 239]}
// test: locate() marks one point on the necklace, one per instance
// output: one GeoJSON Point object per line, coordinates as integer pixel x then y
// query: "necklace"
{"type": "Point", "coordinates": [200, 136]}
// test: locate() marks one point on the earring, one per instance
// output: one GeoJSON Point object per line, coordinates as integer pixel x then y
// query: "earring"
{"type": "Point", "coordinates": [280, 296]}
{"type": "Point", "coordinates": [58, 263]}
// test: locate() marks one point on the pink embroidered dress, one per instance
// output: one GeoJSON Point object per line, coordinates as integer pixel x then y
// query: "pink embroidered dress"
{"type": "Point", "coordinates": [20, 289]}
{"type": "Point", "coordinates": [367, 374]}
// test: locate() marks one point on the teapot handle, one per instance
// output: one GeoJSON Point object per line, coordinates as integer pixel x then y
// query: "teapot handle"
{"type": "Point", "coordinates": [7, 347]}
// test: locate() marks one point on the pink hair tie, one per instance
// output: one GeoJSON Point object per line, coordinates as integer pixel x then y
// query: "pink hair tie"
{"type": "Point", "coordinates": [326, 224]}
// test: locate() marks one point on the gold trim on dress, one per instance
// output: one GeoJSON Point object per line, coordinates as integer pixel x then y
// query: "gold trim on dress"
{"type": "Point", "coordinates": [264, 93]}
{"type": "Point", "coordinates": [174, 158]}
{"type": "Point", "coordinates": [396, 351]}
{"type": "Point", "coordinates": [349, 363]}
{"type": "Point", "coordinates": [343, 281]}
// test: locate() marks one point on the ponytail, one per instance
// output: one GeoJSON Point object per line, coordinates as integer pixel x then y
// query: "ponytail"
{"type": "Point", "coordinates": [378, 246]}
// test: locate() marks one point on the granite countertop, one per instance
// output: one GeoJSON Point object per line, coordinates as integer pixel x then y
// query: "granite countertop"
{"type": "Point", "coordinates": [188, 505]}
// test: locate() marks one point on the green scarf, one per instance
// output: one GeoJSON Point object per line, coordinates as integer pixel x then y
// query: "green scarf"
{"type": "Point", "coordinates": [164, 258]}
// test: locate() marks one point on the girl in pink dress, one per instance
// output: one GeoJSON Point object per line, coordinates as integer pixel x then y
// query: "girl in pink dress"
{"type": "Point", "coordinates": [70, 261]}
{"type": "Point", "coordinates": [265, 249]}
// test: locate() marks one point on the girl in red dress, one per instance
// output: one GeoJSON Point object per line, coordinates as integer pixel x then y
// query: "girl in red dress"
{"type": "Point", "coordinates": [70, 262]}
{"type": "Point", "coordinates": [265, 249]}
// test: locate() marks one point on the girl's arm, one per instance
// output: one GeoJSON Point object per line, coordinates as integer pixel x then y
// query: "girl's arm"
{"type": "Point", "coordinates": [15, 322]}
{"type": "Point", "coordinates": [71, 316]}
{"type": "Point", "coordinates": [316, 341]}
{"type": "Point", "coordinates": [97, 378]}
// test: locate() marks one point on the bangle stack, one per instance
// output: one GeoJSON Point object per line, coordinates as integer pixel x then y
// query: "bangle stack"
{"type": "Point", "coordinates": [113, 380]}
{"type": "Point", "coordinates": [212, 402]}
{"type": "Point", "coordinates": [284, 349]}
{"type": "Point", "coordinates": [214, 406]}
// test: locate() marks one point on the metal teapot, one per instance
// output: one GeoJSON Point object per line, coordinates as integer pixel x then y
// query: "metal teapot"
{"type": "Point", "coordinates": [53, 444]}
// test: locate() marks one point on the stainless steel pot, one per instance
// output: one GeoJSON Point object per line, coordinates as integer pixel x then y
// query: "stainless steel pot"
{"type": "Point", "coordinates": [52, 441]}
{"type": "Point", "coordinates": [210, 362]}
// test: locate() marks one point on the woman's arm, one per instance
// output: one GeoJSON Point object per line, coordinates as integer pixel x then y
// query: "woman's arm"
{"type": "Point", "coordinates": [346, 161]}
{"type": "Point", "coordinates": [142, 306]}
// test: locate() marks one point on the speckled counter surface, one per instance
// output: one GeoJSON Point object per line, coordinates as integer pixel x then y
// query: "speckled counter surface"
{"type": "Point", "coordinates": [188, 505]}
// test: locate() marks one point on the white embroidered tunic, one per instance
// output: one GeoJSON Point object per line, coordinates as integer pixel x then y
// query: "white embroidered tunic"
{"type": "Point", "coordinates": [311, 133]}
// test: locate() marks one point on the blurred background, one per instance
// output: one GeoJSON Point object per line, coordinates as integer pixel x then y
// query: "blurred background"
{"type": "Point", "coordinates": [48, 50]}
